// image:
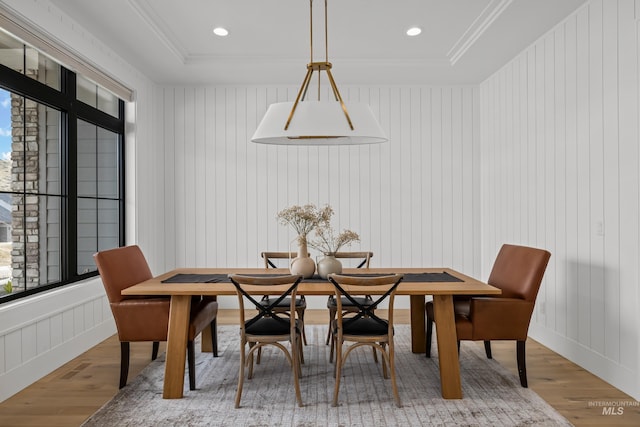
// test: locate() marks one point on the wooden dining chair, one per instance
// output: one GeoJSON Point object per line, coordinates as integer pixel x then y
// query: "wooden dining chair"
{"type": "Point", "coordinates": [518, 272]}
{"type": "Point", "coordinates": [283, 306]}
{"type": "Point", "coordinates": [364, 259]}
{"type": "Point", "coordinates": [268, 327]}
{"type": "Point", "coordinates": [363, 327]}
{"type": "Point", "coordinates": [141, 318]}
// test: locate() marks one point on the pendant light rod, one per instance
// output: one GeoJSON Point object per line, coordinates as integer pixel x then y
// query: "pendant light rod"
{"type": "Point", "coordinates": [318, 66]}
{"type": "Point", "coordinates": [326, 34]}
{"type": "Point", "coordinates": [310, 31]}
{"type": "Point", "coordinates": [321, 122]}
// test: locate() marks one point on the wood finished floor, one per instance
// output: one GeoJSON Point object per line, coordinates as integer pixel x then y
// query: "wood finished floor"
{"type": "Point", "coordinates": [69, 395]}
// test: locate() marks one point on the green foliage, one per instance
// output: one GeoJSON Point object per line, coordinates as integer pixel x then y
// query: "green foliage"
{"type": "Point", "coordinates": [8, 287]}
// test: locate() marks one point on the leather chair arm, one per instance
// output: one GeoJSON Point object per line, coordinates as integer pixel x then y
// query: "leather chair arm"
{"type": "Point", "coordinates": [142, 319]}
{"type": "Point", "coordinates": [500, 318]}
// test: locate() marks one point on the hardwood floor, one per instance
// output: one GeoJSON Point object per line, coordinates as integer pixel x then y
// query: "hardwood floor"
{"type": "Point", "coordinates": [69, 395]}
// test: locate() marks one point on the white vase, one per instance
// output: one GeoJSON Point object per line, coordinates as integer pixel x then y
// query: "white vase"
{"type": "Point", "coordinates": [303, 264]}
{"type": "Point", "coordinates": [329, 264]}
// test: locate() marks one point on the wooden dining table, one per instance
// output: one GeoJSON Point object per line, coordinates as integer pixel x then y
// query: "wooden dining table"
{"type": "Point", "coordinates": [442, 292]}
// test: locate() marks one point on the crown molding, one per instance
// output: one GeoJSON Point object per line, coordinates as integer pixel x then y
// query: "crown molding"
{"type": "Point", "coordinates": [144, 9]}
{"type": "Point", "coordinates": [484, 20]}
{"type": "Point", "coordinates": [204, 59]}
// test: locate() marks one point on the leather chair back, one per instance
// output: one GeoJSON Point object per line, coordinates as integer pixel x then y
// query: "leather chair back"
{"type": "Point", "coordinates": [121, 268]}
{"type": "Point", "coordinates": [518, 271]}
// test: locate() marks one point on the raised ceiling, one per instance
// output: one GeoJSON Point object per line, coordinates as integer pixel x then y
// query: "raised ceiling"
{"type": "Point", "coordinates": [462, 41]}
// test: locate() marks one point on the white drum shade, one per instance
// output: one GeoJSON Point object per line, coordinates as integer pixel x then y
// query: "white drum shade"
{"type": "Point", "coordinates": [319, 123]}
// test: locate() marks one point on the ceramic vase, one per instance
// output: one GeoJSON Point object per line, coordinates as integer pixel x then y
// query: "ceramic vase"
{"type": "Point", "coordinates": [303, 264]}
{"type": "Point", "coordinates": [329, 264]}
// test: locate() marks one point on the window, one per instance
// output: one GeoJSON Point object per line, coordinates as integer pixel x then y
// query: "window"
{"type": "Point", "coordinates": [61, 174]}
{"type": "Point", "coordinates": [98, 193]}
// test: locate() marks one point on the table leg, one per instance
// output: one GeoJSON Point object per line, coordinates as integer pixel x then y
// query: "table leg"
{"type": "Point", "coordinates": [447, 347]}
{"type": "Point", "coordinates": [176, 346]}
{"type": "Point", "coordinates": [418, 340]}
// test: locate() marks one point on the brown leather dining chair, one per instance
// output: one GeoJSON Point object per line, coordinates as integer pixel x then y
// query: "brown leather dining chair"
{"type": "Point", "coordinates": [518, 271]}
{"type": "Point", "coordinates": [147, 318]}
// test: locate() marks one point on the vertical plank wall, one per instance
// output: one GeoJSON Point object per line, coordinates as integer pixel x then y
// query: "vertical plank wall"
{"type": "Point", "coordinates": [559, 138]}
{"type": "Point", "coordinates": [413, 200]}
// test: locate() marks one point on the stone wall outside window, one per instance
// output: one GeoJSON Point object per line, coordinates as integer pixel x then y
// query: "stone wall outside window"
{"type": "Point", "coordinates": [25, 157]}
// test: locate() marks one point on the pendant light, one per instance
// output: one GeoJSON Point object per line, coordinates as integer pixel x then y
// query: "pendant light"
{"type": "Point", "coordinates": [318, 122]}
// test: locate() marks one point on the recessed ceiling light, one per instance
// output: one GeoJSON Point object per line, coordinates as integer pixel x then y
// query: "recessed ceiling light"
{"type": "Point", "coordinates": [413, 31]}
{"type": "Point", "coordinates": [219, 31]}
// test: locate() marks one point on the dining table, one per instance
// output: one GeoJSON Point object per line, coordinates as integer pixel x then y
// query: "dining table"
{"type": "Point", "coordinates": [441, 283]}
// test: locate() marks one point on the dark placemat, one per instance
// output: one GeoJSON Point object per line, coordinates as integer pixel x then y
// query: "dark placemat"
{"type": "Point", "coordinates": [218, 278]}
{"type": "Point", "coordinates": [197, 278]}
{"type": "Point", "coordinates": [431, 277]}
{"type": "Point", "coordinates": [413, 277]}
{"type": "Point", "coordinates": [223, 278]}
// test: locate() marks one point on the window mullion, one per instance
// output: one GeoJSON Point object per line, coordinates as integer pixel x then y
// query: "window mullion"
{"type": "Point", "coordinates": [68, 169]}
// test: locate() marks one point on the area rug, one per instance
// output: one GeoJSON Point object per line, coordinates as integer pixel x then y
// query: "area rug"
{"type": "Point", "coordinates": [492, 395]}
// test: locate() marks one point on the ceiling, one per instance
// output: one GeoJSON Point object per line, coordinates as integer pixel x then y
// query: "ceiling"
{"type": "Point", "coordinates": [462, 41]}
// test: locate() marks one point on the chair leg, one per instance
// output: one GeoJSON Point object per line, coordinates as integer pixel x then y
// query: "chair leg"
{"type": "Point", "coordinates": [385, 373]}
{"type": "Point", "coordinates": [214, 337]}
{"type": "Point", "coordinates": [191, 358]}
{"type": "Point", "coordinates": [301, 317]}
{"type": "Point", "coordinates": [332, 316]}
{"type": "Point", "coordinates": [392, 368]}
{"type": "Point", "coordinates": [240, 373]}
{"type": "Point", "coordinates": [124, 363]}
{"type": "Point", "coordinates": [338, 369]}
{"type": "Point", "coordinates": [333, 346]}
{"type": "Point", "coordinates": [300, 360]}
{"type": "Point", "coordinates": [487, 349]}
{"type": "Point", "coordinates": [301, 352]}
{"type": "Point", "coordinates": [429, 336]}
{"type": "Point", "coordinates": [295, 347]}
{"type": "Point", "coordinates": [154, 351]}
{"type": "Point", "coordinates": [522, 366]}
{"type": "Point", "coordinates": [250, 361]}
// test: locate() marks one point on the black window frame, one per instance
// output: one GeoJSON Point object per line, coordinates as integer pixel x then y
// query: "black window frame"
{"type": "Point", "coordinates": [71, 110]}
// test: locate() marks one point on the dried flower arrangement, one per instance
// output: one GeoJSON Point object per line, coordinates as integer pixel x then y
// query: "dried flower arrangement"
{"type": "Point", "coordinates": [328, 243]}
{"type": "Point", "coordinates": [305, 218]}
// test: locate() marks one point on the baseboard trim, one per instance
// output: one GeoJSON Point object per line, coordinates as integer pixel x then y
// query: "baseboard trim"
{"type": "Point", "coordinates": [619, 376]}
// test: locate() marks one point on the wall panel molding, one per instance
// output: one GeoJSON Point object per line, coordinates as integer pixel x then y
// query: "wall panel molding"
{"type": "Point", "coordinates": [69, 321]}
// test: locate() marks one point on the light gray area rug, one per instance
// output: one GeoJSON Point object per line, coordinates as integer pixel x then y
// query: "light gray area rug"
{"type": "Point", "coordinates": [492, 395]}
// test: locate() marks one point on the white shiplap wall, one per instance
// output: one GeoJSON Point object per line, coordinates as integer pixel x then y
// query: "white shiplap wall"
{"type": "Point", "coordinates": [559, 137]}
{"type": "Point", "coordinates": [414, 200]}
